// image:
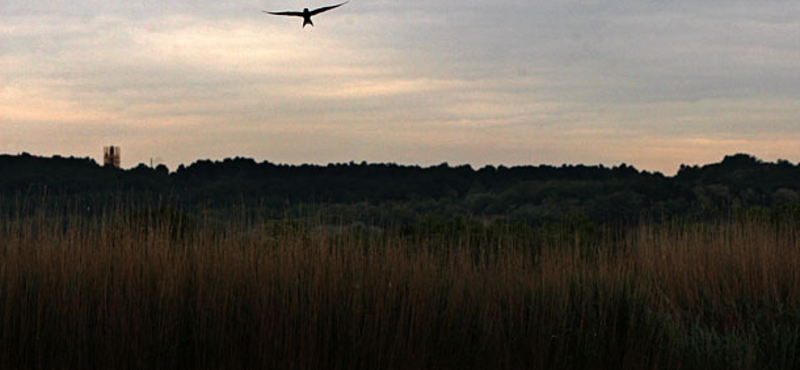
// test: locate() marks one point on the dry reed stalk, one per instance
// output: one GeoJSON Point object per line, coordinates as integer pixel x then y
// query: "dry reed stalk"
{"type": "Point", "coordinates": [148, 290]}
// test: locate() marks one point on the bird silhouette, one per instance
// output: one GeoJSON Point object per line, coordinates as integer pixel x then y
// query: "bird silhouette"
{"type": "Point", "coordinates": [307, 14]}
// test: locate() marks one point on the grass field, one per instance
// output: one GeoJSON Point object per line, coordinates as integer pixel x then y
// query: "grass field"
{"type": "Point", "coordinates": [154, 289]}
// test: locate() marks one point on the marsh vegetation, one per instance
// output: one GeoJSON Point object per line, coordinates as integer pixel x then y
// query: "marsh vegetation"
{"type": "Point", "coordinates": [155, 288]}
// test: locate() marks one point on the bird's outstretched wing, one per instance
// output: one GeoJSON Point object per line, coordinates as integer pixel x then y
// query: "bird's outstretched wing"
{"type": "Point", "coordinates": [293, 14]}
{"type": "Point", "coordinates": [326, 8]}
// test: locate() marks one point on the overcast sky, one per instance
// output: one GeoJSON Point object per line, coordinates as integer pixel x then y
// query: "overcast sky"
{"type": "Point", "coordinates": [652, 83]}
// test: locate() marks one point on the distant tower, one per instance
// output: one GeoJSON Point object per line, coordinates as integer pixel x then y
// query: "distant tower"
{"type": "Point", "coordinates": [111, 156]}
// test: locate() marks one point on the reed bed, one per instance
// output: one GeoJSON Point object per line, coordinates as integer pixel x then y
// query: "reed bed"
{"type": "Point", "coordinates": [150, 289]}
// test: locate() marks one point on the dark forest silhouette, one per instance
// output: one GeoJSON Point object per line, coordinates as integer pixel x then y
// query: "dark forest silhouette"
{"type": "Point", "coordinates": [530, 194]}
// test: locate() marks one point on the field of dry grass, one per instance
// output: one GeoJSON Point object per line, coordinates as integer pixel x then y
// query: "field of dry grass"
{"type": "Point", "coordinates": [151, 290]}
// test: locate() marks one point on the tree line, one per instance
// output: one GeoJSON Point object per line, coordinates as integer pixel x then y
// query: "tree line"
{"type": "Point", "coordinates": [399, 193]}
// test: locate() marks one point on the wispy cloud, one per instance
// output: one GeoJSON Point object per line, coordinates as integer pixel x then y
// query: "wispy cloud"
{"type": "Point", "coordinates": [651, 83]}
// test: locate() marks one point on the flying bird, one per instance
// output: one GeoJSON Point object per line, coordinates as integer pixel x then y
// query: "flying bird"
{"type": "Point", "coordinates": [307, 14]}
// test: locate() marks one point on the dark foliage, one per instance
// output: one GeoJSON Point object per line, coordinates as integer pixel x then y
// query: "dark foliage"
{"type": "Point", "coordinates": [407, 194]}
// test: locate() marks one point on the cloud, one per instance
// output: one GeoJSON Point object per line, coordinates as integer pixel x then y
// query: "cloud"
{"type": "Point", "coordinates": [507, 81]}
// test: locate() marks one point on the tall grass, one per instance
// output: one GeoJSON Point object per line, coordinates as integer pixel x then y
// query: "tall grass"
{"type": "Point", "coordinates": [156, 289]}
